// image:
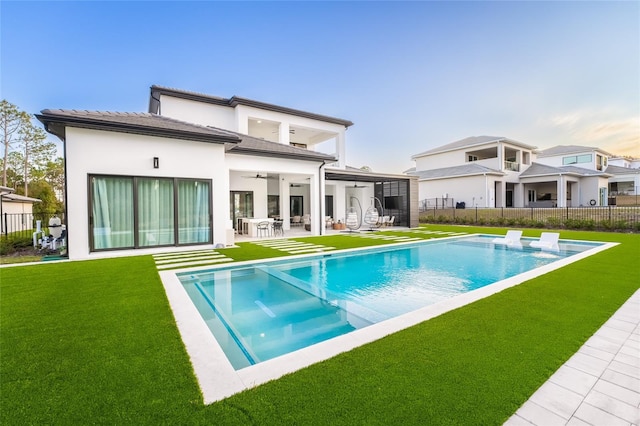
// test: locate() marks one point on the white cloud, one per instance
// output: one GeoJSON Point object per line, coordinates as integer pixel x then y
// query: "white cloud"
{"type": "Point", "coordinates": [605, 129]}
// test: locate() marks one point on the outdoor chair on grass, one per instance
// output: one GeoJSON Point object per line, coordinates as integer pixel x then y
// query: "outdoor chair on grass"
{"type": "Point", "coordinates": [547, 241]}
{"type": "Point", "coordinates": [511, 239]}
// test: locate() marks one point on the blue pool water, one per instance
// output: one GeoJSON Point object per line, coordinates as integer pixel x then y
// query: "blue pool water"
{"type": "Point", "coordinates": [265, 310]}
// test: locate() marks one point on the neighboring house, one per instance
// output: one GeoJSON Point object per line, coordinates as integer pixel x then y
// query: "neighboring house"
{"type": "Point", "coordinates": [629, 163]}
{"type": "Point", "coordinates": [16, 211]}
{"type": "Point", "coordinates": [186, 171]}
{"type": "Point", "coordinates": [488, 171]}
{"type": "Point", "coordinates": [480, 171]}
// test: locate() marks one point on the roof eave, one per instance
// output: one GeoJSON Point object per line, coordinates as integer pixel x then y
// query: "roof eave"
{"type": "Point", "coordinates": [295, 156]}
{"type": "Point", "coordinates": [66, 121]}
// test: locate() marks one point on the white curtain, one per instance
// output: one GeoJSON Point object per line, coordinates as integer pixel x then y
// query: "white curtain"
{"type": "Point", "coordinates": [194, 225]}
{"type": "Point", "coordinates": [112, 207]}
{"type": "Point", "coordinates": [155, 212]}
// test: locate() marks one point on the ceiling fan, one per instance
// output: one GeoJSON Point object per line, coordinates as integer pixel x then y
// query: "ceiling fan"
{"type": "Point", "coordinates": [259, 176]}
{"type": "Point", "coordinates": [355, 185]}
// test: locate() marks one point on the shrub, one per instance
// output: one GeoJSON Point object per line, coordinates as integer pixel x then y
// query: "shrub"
{"type": "Point", "coordinates": [13, 243]}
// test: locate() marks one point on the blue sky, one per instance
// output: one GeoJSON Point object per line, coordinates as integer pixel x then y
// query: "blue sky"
{"type": "Point", "coordinates": [410, 75]}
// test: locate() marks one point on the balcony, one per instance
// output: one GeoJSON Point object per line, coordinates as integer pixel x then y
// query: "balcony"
{"type": "Point", "coordinates": [512, 166]}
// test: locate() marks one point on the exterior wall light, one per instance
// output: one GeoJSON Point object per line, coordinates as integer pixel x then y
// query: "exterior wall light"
{"type": "Point", "coordinates": [156, 163]}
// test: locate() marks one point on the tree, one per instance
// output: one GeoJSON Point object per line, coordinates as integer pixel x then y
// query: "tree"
{"type": "Point", "coordinates": [53, 173]}
{"type": "Point", "coordinates": [44, 192]}
{"type": "Point", "coordinates": [35, 149]}
{"type": "Point", "coordinates": [11, 121]}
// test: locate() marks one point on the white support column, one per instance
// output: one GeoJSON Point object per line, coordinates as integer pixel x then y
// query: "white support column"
{"type": "Point", "coordinates": [284, 136]}
{"type": "Point", "coordinates": [285, 204]}
{"type": "Point", "coordinates": [562, 191]}
{"type": "Point", "coordinates": [341, 150]}
{"type": "Point", "coordinates": [339, 197]}
{"type": "Point", "coordinates": [314, 203]}
{"type": "Point", "coordinates": [322, 188]}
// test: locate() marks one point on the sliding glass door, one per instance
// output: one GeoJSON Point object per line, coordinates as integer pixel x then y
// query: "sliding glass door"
{"type": "Point", "coordinates": [112, 212]}
{"type": "Point", "coordinates": [133, 212]}
{"type": "Point", "coordinates": [156, 216]}
{"type": "Point", "coordinates": [193, 212]}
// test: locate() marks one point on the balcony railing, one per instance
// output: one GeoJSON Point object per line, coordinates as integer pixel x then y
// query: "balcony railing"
{"type": "Point", "coordinates": [512, 166]}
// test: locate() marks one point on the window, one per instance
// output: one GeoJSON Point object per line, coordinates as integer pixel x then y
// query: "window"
{"type": "Point", "coordinates": [471, 158]}
{"type": "Point", "coordinates": [241, 204]}
{"type": "Point", "coordinates": [296, 205]}
{"type": "Point", "coordinates": [328, 205]}
{"type": "Point", "coordinates": [133, 212]}
{"type": "Point", "coordinates": [576, 159]}
{"type": "Point", "coordinates": [273, 205]}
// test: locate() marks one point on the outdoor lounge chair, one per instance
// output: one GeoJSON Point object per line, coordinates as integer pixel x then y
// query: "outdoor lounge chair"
{"type": "Point", "coordinates": [547, 241]}
{"type": "Point", "coordinates": [511, 239]}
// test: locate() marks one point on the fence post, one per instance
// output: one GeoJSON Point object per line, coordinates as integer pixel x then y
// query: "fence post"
{"type": "Point", "coordinates": [609, 213]}
{"type": "Point", "coordinates": [567, 212]}
{"type": "Point", "coordinates": [476, 215]}
{"type": "Point", "coordinates": [531, 214]}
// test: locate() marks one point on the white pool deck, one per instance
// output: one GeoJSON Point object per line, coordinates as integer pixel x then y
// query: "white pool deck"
{"type": "Point", "coordinates": [599, 385]}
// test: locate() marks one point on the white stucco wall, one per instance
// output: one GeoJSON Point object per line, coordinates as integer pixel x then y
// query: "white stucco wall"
{"type": "Point", "coordinates": [99, 152]}
{"type": "Point", "coordinates": [472, 190]}
{"type": "Point", "coordinates": [198, 112]}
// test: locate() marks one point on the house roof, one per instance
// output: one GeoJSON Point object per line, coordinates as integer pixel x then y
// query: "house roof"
{"type": "Point", "coordinates": [157, 91]}
{"type": "Point", "coordinates": [569, 149]}
{"type": "Point", "coordinates": [470, 169]}
{"type": "Point", "coordinates": [56, 120]}
{"type": "Point", "coordinates": [157, 125]}
{"type": "Point", "coordinates": [537, 169]}
{"type": "Point", "coordinates": [357, 175]}
{"type": "Point", "coordinates": [255, 146]}
{"type": "Point", "coordinates": [617, 170]}
{"type": "Point", "coordinates": [471, 142]}
{"type": "Point", "coordinates": [16, 198]}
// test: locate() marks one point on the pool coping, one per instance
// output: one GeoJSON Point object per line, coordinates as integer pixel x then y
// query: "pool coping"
{"type": "Point", "coordinates": [217, 377]}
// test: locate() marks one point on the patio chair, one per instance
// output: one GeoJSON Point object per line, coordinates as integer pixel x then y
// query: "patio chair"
{"type": "Point", "coordinates": [547, 241]}
{"type": "Point", "coordinates": [277, 228]}
{"type": "Point", "coordinates": [263, 229]}
{"type": "Point", "coordinates": [390, 221]}
{"type": "Point", "coordinates": [296, 221]}
{"type": "Point", "coordinates": [511, 239]}
{"type": "Point", "coordinates": [352, 221]}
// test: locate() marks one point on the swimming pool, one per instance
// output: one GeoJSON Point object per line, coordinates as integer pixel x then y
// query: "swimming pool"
{"type": "Point", "coordinates": [264, 310]}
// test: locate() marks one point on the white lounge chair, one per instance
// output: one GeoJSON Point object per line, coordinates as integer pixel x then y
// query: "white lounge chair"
{"type": "Point", "coordinates": [511, 239]}
{"type": "Point", "coordinates": [547, 241]}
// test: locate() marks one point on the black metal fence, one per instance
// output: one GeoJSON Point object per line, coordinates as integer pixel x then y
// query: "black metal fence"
{"type": "Point", "coordinates": [610, 217]}
{"type": "Point", "coordinates": [25, 224]}
{"type": "Point", "coordinates": [436, 203]}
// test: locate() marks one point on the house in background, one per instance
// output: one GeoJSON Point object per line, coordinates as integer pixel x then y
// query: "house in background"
{"type": "Point", "coordinates": [16, 211]}
{"type": "Point", "coordinates": [480, 171]}
{"type": "Point", "coordinates": [488, 171]}
{"type": "Point", "coordinates": [185, 172]}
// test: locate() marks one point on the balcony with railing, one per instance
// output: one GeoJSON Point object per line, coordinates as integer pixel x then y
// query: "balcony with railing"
{"type": "Point", "coordinates": [512, 166]}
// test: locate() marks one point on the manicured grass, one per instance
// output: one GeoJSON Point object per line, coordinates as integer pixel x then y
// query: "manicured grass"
{"type": "Point", "coordinates": [95, 342]}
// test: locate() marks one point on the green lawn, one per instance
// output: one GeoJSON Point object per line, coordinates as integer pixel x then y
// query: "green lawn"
{"type": "Point", "coordinates": [95, 342]}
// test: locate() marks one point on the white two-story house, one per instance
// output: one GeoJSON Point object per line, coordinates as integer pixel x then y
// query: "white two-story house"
{"type": "Point", "coordinates": [488, 171]}
{"type": "Point", "coordinates": [479, 171]}
{"type": "Point", "coordinates": [186, 171]}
